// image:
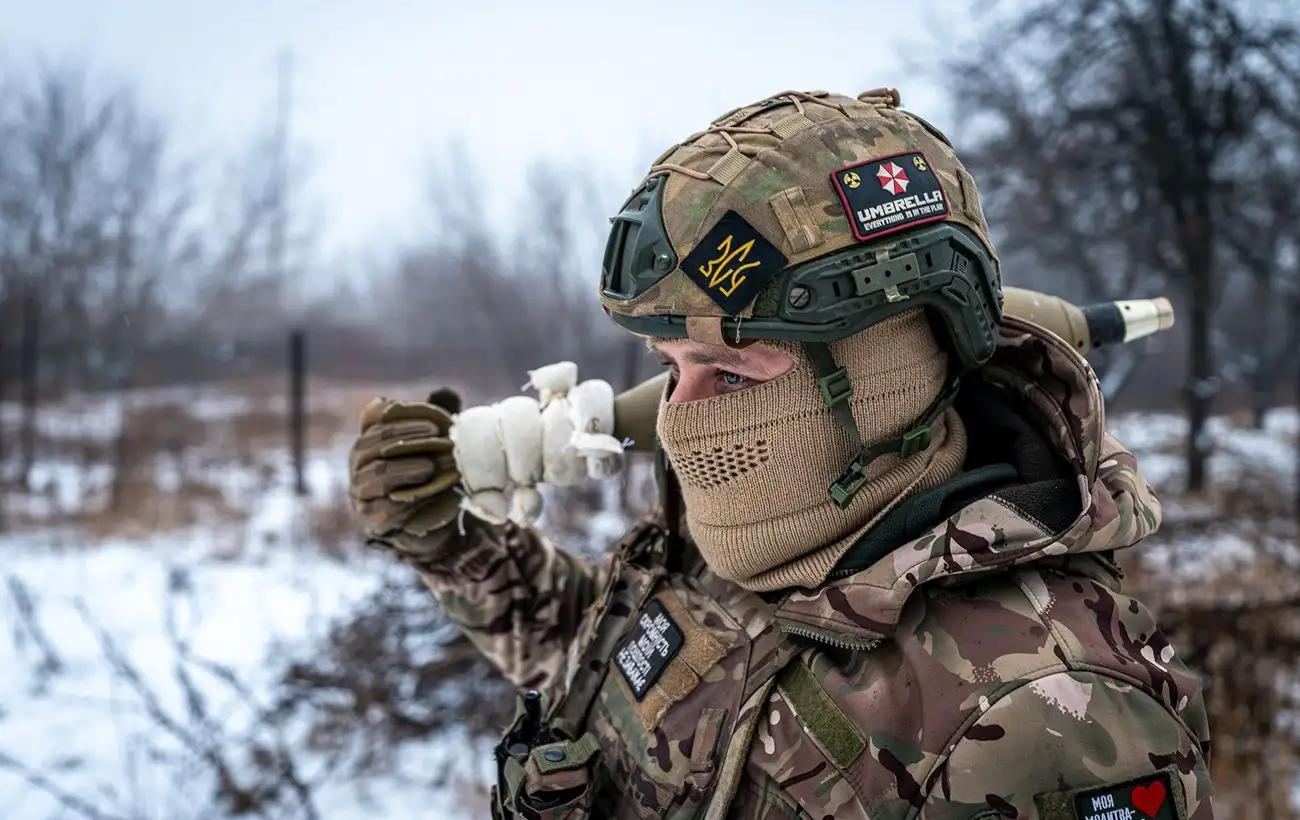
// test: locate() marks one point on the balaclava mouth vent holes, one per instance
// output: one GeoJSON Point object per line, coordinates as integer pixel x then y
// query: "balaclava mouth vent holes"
{"type": "Point", "coordinates": [711, 468]}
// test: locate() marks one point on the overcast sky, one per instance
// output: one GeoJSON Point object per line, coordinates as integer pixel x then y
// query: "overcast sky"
{"type": "Point", "coordinates": [380, 86]}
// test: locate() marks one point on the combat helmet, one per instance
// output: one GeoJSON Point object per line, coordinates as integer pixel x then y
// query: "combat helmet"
{"type": "Point", "coordinates": [809, 217]}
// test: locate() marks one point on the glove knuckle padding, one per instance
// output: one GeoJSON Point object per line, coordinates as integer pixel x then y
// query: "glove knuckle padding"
{"type": "Point", "coordinates": [380, 478]}
{"type": "Point", "coordinates": [372, 412]}
{"type": "Point", "coordinates": [424, 445]}
{"type": "Point", "coordinates": [367, 481]}
{"type": "Point", "coordinates": [434, 514]}
{"type": "Point", "coordinates": [400, 411]}
{"type": "Point", "coordinates": [407, 428]}
{"type": "Point", "coordinates": [438, 484]}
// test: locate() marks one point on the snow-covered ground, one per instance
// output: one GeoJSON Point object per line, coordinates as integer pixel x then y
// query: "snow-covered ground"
{"type": "Point", "coordinates": [226, 604]}
{"type": "Point", "coordinates": [1158, 439]}
{"type": "Point", "coordinates": [89, 731]}
{"type": "Point", "coordinates": [244, 596]}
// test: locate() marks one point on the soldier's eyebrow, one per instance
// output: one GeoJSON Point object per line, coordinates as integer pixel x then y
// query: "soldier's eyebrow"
{"type": "Point", "coordinates": [717, 357]}
{"type": "Point", "coordinates": [714, 356]}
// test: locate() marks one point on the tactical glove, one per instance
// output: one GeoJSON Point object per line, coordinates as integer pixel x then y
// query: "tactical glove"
{"type": "Point", "coordinates": [403, 476]}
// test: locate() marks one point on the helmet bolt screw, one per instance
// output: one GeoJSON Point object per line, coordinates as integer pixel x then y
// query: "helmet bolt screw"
{"type": "Point", "coordinates": [799, 297]}
{"type": "Point", "coordinates": [652, 183]}
{"type": "Point", "coordinates": [663, 263]}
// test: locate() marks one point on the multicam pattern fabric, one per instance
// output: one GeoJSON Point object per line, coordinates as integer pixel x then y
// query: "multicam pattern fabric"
{"type": "Point", "coordinates": [974, 672]}
{"type": "Point", "coordinates": [771, 163]}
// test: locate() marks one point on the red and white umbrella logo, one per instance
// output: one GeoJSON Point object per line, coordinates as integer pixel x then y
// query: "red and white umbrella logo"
{"type": "Point", "coordinates": [892, 178]}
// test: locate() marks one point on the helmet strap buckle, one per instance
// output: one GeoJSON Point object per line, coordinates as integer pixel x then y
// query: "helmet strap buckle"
{"type": "Point", "coordinates": [916, 440]}
{"type": "Point", "coordinates": [851, 481]}
{"type": "Point", "coordinates": [836, 387]}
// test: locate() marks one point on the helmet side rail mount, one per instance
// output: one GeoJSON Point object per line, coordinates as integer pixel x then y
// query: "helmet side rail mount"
{"type": "Point", "coordinates": [936, 267]}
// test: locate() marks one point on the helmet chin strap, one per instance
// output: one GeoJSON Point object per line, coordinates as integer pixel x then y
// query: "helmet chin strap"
{"type": "Point", "coordinates": [836, 389]}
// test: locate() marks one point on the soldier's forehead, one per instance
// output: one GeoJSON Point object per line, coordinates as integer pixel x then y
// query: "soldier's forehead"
{"type": "Point", "coordinates": [755, 354]}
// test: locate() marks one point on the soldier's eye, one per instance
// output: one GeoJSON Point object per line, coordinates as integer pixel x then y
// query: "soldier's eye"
{"type": "Point", "coordinates": [732, 381]}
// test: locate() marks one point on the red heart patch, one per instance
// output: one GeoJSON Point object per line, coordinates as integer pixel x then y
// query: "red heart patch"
{"type": "Point", "coordinates": [1149, 799]}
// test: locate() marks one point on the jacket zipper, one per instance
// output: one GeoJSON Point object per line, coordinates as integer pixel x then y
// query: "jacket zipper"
{"type": "Point", "coordinates": [835, 639]}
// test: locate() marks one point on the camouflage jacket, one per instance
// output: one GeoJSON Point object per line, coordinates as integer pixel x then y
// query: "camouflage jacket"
{"type": "Point", "coordinates": [977, 660]}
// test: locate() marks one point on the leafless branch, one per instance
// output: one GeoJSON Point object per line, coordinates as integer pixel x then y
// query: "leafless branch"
{"type": "Point", "coordinates": [67, 799]}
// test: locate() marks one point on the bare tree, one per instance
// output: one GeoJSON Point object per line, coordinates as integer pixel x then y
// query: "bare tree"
{"type": "Point", "coordinates": [58, 206]}
{"type": "Point", "coordinates": [484, 299]}
{"type": "Point", "coordinates": [1155, 97]}
{"type": "Point", "coordinates": [1059, 222]}
{"type": "Point", "coordinates": [237, 286]}
{"type": "Point", "coordinates": [1261, 234]}
{"type": "Point", "coordinates": [113, 247]}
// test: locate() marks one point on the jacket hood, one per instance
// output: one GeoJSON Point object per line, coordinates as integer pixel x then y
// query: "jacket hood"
{"type": "Point", "coordinates": [1097, 480]}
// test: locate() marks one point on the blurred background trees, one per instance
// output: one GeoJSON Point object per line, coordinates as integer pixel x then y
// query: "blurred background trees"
{"type": "Point", "coordinates": [1143, 146]}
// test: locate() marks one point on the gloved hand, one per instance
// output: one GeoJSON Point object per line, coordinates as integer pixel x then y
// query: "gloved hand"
{"type": "Point", "coordinates": [403, 475]}
{"type": "Point", "coordinates": [560, 438]}
{"type": "Point", "coordinates": [415, 465]}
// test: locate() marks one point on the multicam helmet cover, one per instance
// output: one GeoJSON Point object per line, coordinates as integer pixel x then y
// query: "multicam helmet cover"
{"type": "Point", "coordinates": [806, 216]}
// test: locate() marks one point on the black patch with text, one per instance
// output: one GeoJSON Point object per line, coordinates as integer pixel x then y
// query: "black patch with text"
{"type": "Point", "coordinates": [889, 194]}
{"type": "Point", "coordinates": [1147, 798]}
{"type": "Point", "coordinates": [644, 653]}
{"type": "Point", "coordinates": [733, 262]}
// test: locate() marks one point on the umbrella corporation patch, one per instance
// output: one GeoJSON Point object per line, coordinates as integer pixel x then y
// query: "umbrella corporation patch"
{"type": "Point", "coordinates": [733, 262]}
{"type": "Point", "coordinates": [889, 194]}
{"type": "Point", "coordinates": [642, 656]}
{"type": "Point", "coordinates": [1146, 798]}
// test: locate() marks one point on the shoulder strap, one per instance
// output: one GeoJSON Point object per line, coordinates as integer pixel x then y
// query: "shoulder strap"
{"type": "Point", "coordinates": [635, 573]}
{"type": "Point", "coordinates": [782, 649]}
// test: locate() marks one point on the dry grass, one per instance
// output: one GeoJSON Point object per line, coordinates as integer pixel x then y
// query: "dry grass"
{"type": "Point", "coordinates": [149, 429]}
{"type": "Point", "coordinates": [188, 444]}
{"type": "Point", "coordinates": [263, 428]}
{"type": "Point", "coordinates": [144, 509]}
{"type": "Point", "coordinates": [1239, 626]}
{"type": "Point", "coordinates": [333, 527]}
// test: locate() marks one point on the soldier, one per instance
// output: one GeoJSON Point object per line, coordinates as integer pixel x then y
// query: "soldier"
{"type": "Point", "coordinates": [890, 591]}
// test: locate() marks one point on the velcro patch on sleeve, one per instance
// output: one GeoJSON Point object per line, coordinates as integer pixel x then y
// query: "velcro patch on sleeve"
{"type": "Point", "coordinates": [733, 262]}
{"type": "Point", "coordinates": [835, 731]}
{"type": "Point", "coordinates": [645, 652]}
{"type": "Point", "coordinates": [1153, 797]}
{"type": "Point", "coordinates": [890, 194]}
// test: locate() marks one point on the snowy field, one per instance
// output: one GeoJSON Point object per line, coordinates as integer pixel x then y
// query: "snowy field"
{"type": "Point", "coordinates": [132, 669]}
{"type": "Point", "coordinates": [128, 664]}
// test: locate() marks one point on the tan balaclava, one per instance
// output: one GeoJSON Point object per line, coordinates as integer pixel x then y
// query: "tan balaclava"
{"type": "Point", "coordinates": [754, 465]}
